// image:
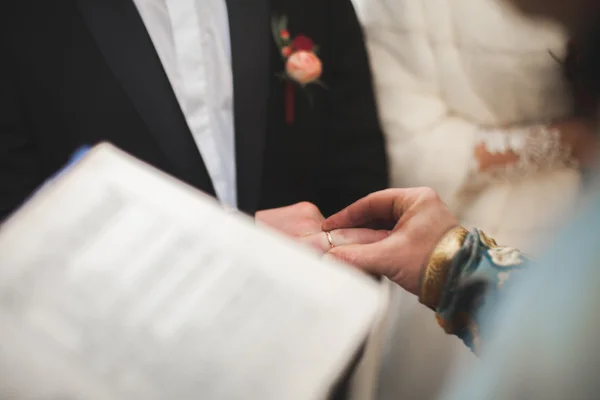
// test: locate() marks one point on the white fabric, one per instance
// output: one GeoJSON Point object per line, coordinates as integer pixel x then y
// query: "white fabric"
{"type": "Point", "coordinates": [445, 70]}
{"type": "Point", "coordinates": [363, 385]}
{"type": "Point", "coordinates": [192, 40]}
{"type": "Point", "coordinates": [418, 357]}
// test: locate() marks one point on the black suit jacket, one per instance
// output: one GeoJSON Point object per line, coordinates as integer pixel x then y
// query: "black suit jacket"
{"type": "Point", "coordinates": [76, 72]}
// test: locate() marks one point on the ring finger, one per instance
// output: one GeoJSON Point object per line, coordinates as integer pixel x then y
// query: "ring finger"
{"type": "Point", "coordinates": [324, 241]}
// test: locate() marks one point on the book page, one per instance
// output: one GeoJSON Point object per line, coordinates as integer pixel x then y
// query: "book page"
{"type": "Point", "coordinates": [118, 282]}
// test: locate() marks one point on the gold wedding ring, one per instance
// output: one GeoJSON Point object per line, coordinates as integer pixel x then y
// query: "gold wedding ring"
{"type": "Point", "coordinates": [330, 240]}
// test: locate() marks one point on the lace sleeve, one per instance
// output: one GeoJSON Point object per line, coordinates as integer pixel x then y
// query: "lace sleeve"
{"type": "Point", "coordinates": [537, 147]}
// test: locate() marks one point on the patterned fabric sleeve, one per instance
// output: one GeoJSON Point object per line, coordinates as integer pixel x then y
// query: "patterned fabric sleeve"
{"type": "Point", "coordinates": [475, 276]}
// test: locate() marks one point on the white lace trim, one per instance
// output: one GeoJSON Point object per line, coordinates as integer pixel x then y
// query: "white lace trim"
{"type": "Point", "coordinates": [539, 148]}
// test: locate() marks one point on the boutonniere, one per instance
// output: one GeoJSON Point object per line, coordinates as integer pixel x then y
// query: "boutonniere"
{"type": "Point", "coordinates": [303, 66]}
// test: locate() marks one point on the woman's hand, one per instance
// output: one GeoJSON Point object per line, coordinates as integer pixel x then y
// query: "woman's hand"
{"type": "Point", "coordinates": [419, 220]}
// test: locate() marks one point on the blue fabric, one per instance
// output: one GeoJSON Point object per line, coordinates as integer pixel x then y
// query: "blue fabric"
{"type": "Point", "coordinates": [479, 275]}
{"type": "Point", "coordinates": [543, 337]}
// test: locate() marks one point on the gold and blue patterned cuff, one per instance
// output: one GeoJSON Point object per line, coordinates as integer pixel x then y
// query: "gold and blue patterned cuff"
{"type": "Point", "coordinates": [435, 271]}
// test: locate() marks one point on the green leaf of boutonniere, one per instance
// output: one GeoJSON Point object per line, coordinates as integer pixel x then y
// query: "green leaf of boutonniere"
{"type": "Point", "coordinates": [275, 21]}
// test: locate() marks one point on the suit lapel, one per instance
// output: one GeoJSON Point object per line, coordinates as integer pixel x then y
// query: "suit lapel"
{"type": "Point", "coordinates": [122, 37]}
{"type": "Point", "coordinates": [249, 22]}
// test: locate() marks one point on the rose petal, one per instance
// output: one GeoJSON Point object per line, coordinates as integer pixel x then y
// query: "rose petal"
{"type": "Point", "coordinates": [302, 42]}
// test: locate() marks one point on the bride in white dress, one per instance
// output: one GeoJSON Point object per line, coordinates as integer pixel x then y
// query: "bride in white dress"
{"type": "Point", "coordinates": [473, 102]}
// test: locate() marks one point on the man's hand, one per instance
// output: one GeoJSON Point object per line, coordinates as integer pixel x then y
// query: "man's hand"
{"type": "Point", "coordinates": [303, 221]}
{"type": "Point", "coordinates": [419, 219]}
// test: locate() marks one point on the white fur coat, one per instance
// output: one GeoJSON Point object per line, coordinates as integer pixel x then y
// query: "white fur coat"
{"type": "Point", "coordinates": [444, 69]}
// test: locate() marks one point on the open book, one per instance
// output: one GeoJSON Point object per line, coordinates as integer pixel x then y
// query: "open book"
{"type": "Point", "coordinates": [118, 282]}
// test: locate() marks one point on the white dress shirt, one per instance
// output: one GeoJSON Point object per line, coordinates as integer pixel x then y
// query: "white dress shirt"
{"type": "Point", "coordinates": [192, 40]}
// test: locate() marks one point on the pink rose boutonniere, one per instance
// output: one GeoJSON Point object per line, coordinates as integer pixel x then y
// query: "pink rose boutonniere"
{"type": "Point", "coordinates": [302, 65]}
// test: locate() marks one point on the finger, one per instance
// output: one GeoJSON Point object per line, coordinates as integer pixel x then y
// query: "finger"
{"type": "Point", "coordinates": [375, 207]}
{"type": "Point", "coordinates": [320, 241]}
{"type": "Point", "coordinates": [370, 258]}
{"type": "Point", "coordinates": [344, 237]}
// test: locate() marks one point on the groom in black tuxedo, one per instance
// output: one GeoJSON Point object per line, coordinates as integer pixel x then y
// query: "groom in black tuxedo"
{"type": "Point", "coordinates": [131, 72]}
{"type": "Point", "coordinates": [195, 88]}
